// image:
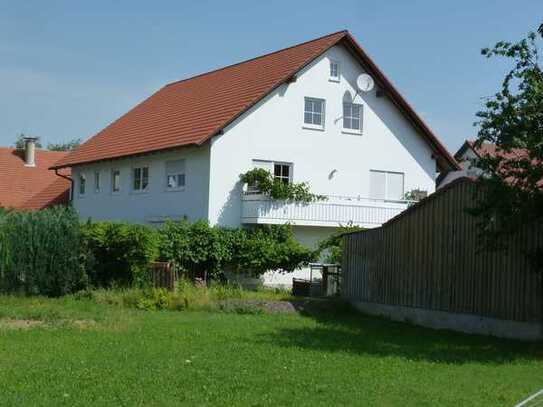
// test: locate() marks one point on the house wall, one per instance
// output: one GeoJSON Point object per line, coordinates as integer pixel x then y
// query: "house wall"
{"type": "Point", "coordinates": [274, 130]}
{"type": "Point", "coordinates": [468, 169]}
{"type": "Point", "coordinates": [157, 203]}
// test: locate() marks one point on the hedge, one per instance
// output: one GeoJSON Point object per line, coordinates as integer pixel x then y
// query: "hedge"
{"type": "Point", "coordinates": [50, 253]}
{"type": "Point", "coordinates": [41, 252]}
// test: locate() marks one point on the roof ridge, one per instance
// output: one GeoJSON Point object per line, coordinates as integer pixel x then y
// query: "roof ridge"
{"type": "Point", "coordinates": [255, 58]}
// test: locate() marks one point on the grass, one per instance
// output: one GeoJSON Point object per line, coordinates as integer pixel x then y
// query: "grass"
{"type": "Point", "coordinates": [90, 352]}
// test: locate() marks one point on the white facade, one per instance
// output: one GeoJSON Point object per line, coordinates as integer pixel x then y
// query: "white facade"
{"type": "Point", "coordinates": [467, 161]}
{"type": "Point", "coordinates": [152, 205]}
{"type": "Point", "coordinates": [333, 160]}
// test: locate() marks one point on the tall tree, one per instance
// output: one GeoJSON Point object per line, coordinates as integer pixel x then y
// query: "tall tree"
{"type": "Point", "coordinates": [513, 120]}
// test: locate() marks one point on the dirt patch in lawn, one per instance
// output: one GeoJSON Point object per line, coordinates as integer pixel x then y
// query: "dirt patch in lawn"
{"type": "Point", "coordinates": [301, 306]}
{"type": "Point", "coordinates": [20, 323]}
{"type": "Point", "coordinates": [14, 324]}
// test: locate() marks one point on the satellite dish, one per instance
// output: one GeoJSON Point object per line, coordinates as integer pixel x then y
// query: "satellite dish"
{"type": "Point", "coordinates": [364, 82]}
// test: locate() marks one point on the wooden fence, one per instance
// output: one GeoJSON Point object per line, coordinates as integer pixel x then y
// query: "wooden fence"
{"type": "Point", "coordinates": [428, 257]}
{"type": "Point", "coordinates": [164, 275]}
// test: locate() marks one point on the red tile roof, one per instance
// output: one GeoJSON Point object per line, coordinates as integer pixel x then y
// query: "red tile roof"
{"type": "Point", "coordinates": [191, 111]}
{"type": "Point", "coordinates": [36, 187]}
{"type": "Point", "coordinates": [490, 149]}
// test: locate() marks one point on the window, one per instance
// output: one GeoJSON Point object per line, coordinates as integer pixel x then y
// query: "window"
{"type": "Point", "coordinates": [115, 180]}
{"type": "Point", "coordinates": [334, 71]}
{"type": "Point", "coordinates": [282, 172]}
{"type": "Point", "coordinates": [314, 113]}
{"type": "Point", "coordinates": [175, 174]}
{"type": "Point", "coordinates": [97, 181]}
{"type": "Point", "coordinates": [140, 178]}
{"type": "Point", "coordinates": [352, 117]}
{"type": "Point", "coordinates": [386, 185]}
{"type": "Point", "coordinates": [82, 184]}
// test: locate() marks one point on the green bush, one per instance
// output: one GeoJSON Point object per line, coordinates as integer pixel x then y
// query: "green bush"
{"type": "Point", "coordinates": [267, 248]}
{"type": "Point", "coordinates": [121, 252]}
{"type": "Point", "coordinates": [41, 252]}
{"type": "Point", "coordinates": [198, 248]}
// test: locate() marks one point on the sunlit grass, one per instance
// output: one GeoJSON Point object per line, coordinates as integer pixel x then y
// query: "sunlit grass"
{"type": "Point", "coordinates": [119, 355]}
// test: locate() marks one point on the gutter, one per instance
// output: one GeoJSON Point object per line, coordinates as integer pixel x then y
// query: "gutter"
{"type": "Point", "coordinates": [71, 183]}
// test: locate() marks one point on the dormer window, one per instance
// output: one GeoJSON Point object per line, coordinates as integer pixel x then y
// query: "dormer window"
{"type": "Point", "coordinates": [334, 71]}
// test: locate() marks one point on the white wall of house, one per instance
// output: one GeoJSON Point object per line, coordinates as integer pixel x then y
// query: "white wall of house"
{"type": "Point", "coordinates": [332, 161]}
{"type": "Point", "coordinates": [466, 161]}
{"type": "Point", "coordinates": [157, 202]}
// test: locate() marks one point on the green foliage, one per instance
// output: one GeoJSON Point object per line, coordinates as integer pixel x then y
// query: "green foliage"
{"type": "Point", "coordinates": [121, 252]}
{"type": "Point", "coordinates": [331, 248]}
{"type": "Point", "coordinates": [513, 120]}
{"type": "Point", "coordinates": [268, 247]}
{"type": "Point", "coordinates": [198, 248]}
{"type": "Point", "coordinates": [186, 296]}
{"type": "Point", "coordinates": [267, 184]}
{"type": "Point", "coordinates": [41, 252]}
{"type": "Point", "coordinates": [67, 146]}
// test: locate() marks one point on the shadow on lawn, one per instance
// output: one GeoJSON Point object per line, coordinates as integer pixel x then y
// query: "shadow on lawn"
{"type": "Point", "coordinates": [342, 329]}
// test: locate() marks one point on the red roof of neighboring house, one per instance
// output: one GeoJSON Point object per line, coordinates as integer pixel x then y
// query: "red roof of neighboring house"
{"type": "Point", "coordinates": [191, 111]}
{"type": "Point", "coordinates": [489, 149]}
{"type": "Point", "coordinates": [36, 187]}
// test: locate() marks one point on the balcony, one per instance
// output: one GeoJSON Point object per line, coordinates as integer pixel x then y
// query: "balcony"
{"type": "Point", "coordinates": [335, 211]}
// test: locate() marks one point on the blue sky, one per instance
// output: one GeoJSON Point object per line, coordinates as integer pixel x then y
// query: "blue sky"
{"type": "Point", "coordinates": [68, 68]}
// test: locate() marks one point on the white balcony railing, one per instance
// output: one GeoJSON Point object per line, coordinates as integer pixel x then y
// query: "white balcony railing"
{"type": "Point", "coordinates": [335, 211]}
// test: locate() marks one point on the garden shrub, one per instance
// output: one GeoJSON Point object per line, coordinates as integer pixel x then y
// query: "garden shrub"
{"type": "Point", "coordinates": [198, 248]}
{"type": "Point", "coordinates": [41, 252]}
{"type": "Point", "coordinates": [268, 247]}
{"type": "Point", "coordinates": [121, 252]}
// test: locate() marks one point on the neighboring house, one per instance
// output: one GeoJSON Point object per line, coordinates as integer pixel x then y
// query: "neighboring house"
{"type": "Point", "coordinates": [26, 182]}
{"type": "Point", "coordinates": [467, 156]}
{"type": "Point", "coordinates": [296, 112]}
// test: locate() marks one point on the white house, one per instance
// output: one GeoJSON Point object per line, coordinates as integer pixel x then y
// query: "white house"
{"type": "Point", "coordinates": [297, 112]}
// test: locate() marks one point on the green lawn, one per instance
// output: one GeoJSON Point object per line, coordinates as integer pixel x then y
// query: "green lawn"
{"type": "Point", "coordinates": [86, 353]}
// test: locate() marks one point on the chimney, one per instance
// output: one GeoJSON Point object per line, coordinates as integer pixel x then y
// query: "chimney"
{"type": "Point", "coordinates": [30, 151]}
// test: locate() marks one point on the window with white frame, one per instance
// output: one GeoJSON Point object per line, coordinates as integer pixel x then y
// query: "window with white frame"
{"type": "Point", "coordinates": [115, 180]}
{"type": "Point", "coordinates": [282, 172]}
{"type": "Point", "coordinates": [82, 184]}
{"type": "Point", "coordinates": [386, 185]}
{"type": "Point", "coordinates": [140, 178]}
{"type": "Point", "coordinates": [279, 170]}
{"type": "Point", "coordinates": [334, 71]}
{"type": "Point", "coordinates": [175, 174]}
{"type": "Point", "coordinates": [314, 113]}
{"type": "Point", "coordinates": [352, 117]}
{"type": "Point", "coordinates": [97, 181]}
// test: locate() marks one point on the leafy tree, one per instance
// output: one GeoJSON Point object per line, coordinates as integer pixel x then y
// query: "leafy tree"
{"type": "Point", "coordinates": [68, 146]}
{"type": "Point", "coordinates": [20, 142]}
{"type": "Point", "coordinates": [513, 121]}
